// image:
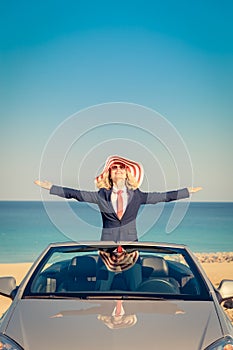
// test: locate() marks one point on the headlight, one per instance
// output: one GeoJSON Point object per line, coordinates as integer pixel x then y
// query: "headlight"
{"type": "Point", "coordinates": [225, 343]}
{"type": "Point", "coordinates": [8, 344]}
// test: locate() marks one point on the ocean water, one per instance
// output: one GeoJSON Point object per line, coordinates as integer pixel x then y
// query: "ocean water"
{"type": "Point", "coordinates": [26, 228]}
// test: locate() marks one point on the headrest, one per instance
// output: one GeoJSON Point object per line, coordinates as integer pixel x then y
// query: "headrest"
{"type": "Point", "coordinates": [154, 266]}
{"type": "Point", "coordinates": [83, 266]}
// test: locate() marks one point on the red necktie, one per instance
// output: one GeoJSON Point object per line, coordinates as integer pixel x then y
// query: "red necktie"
{"type": "Point", "coordinates": [119, 204]}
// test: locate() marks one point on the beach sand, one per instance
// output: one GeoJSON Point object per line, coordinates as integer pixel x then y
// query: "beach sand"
{"type": "Point", "coordinates": [18, 271]}
{"type": "Point", "coordinates": [216, 271]}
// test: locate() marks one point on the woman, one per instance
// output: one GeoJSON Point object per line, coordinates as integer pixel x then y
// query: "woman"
{"type": "Point", "coordinates": [119, 197]}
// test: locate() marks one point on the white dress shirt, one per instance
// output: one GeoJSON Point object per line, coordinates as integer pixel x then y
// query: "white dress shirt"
{"type": "Point", "coordinates": [114, 198]}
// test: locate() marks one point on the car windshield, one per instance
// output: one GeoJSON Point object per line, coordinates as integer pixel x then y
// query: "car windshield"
{"type": "Point", "coordinates": [123, 271]}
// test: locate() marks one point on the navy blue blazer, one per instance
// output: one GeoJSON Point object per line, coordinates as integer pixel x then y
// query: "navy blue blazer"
{"type": "Point", "coordinates": [115, 229]}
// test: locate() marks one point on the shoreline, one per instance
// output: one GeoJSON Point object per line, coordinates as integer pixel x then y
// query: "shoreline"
{"type": "Point", "coordinates": [217, 266]}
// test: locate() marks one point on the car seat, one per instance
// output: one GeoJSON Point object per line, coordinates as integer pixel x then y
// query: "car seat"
{"type": "Point", "coordinates": [81, 275]}
{"type": "Point", "coordinates": [157, 268]}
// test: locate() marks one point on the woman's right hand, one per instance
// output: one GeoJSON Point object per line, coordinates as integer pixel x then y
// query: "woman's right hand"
{"type": "Point", "coordinates": [44, 184]}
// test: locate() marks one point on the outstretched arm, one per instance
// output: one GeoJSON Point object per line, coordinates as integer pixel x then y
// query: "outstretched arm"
{"type": "Point", "coordinates": [44, 184]}
{"type": "Point", "coordinates": [69, 193]}
{"type": "Point", "coordinates": [194, 189]}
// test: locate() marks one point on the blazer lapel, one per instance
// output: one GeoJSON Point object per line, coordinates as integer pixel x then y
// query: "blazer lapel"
{"type": "Point", "coordinates": [108, 199]}
{"type": "Point", "coordinates": [130, 197]}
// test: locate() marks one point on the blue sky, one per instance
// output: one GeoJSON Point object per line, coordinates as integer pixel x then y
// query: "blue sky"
{"type": "Point", "coordinates": [58, 58]}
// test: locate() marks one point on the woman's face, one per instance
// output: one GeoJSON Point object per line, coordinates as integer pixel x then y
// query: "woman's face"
{"type": "Point", "coordinates": [118, 172]}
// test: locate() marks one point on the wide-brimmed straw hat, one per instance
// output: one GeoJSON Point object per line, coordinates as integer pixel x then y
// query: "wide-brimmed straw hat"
{"type": "Point", "coordinates": [135, 168]}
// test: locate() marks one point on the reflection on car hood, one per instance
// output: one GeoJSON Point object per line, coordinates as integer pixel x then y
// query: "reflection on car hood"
{"type": "Point", "coordinates": [69, 324]}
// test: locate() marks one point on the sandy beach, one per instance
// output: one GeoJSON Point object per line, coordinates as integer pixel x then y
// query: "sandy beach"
{"type": "Point", "coordinates": [18, 271]}
{"type": "Point", "coordinates": [217, 268]}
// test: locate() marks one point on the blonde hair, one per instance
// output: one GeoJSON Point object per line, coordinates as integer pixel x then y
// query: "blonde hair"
{"type": "Point", "coordinates": [106, 181]}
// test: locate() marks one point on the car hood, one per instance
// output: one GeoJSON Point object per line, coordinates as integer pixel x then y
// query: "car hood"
{"type": "Point", "coordinates": [73, 324]}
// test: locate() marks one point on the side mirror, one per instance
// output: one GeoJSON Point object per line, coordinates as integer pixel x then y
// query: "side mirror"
{"type": "Point", "coordinates": [225, 290]}
{"type": "Point", "coordinates": [7, 285]}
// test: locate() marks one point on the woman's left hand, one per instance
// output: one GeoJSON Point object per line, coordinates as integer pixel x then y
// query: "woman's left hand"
{"type": "Point", "coordinates": [194, 189]}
